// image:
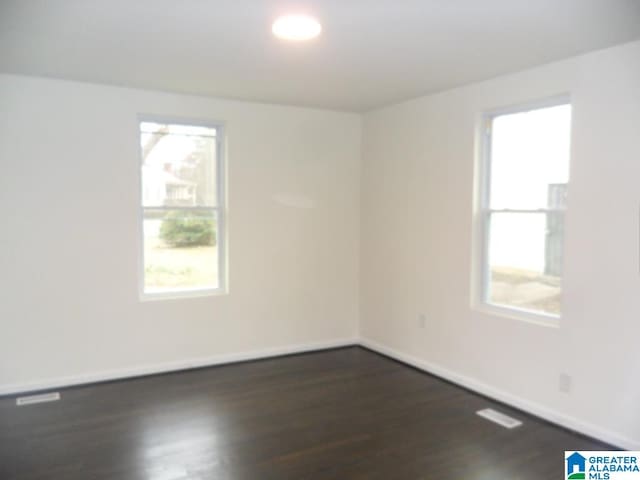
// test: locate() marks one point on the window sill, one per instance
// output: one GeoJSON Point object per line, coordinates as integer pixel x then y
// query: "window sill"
{"type": "Point", "coordinates": [528, 316]}
{"type": "Point", "coordinates": [181, 294]}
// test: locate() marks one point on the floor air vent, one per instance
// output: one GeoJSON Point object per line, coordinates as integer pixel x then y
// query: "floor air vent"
{"type": "Point", "coordinates": [500, 418]}
{"type": "Point", "coordinates": [41, 398]}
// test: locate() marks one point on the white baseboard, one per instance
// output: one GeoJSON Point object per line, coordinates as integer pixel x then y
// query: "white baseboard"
{"type": "Point", "coordinates": [541, 411]}
{"type": "Point", "coordinates": [141, 370]}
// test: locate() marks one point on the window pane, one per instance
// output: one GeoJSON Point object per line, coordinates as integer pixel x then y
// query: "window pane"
{"type": "Point", "coordinates": [530, 159]}
{"type": "Point", "coordinates": [180, 250]}
{"type": "Point", "coordinates": [178, 165]}
{"type": "Point", "coordinates": [525, 260]}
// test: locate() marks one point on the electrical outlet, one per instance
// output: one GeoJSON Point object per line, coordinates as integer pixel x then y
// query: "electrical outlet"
{"type": "Point", "coordinates": [564, 383]}
{"type": "Point", "coordinates": [422, 320]}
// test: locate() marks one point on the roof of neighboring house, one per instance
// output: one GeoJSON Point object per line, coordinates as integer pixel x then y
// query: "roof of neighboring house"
{"type": "Point", "coordinates": [165, 177]}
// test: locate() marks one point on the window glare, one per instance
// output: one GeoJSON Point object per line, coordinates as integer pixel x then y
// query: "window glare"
{"type": "Point", "coordinates": [529, 152]}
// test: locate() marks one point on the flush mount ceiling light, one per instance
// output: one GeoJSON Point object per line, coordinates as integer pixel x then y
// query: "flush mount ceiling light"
{"type": "Point", "coordinates": [296, 28]}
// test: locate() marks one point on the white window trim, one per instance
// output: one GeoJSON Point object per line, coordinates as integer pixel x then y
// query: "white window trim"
{"type": "Point", "coordinates": [220, 209]}
{"type": "Point", "coordinates": [481, 302]}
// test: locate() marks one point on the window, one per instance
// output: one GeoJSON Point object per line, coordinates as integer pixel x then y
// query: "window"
{"type": "Point", "coordinates": [182, 209]}
{"type": "Point", "coordinates": [526, 173]}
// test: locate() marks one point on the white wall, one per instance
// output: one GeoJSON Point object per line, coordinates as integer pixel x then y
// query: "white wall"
{"type": "Point", "coordinates": [69, 306]}
{"type": "Point", "coordinates": [416, 251]}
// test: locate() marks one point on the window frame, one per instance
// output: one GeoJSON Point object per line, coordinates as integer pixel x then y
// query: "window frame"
{"type": "Point", "coordinates": [220, 211]}
{"type": "Point", "coordinates": [485, 213]}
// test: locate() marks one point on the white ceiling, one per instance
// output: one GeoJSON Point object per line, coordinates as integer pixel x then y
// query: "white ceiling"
{"type": "Point", "coordinates": [371, 52]}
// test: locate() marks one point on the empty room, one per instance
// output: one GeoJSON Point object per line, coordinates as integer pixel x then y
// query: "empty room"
{"type": "Point", "coordinates": [320, 239]}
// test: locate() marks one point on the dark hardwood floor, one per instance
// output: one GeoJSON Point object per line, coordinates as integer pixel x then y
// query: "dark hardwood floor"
{"type": "Point", "coordinates": [339, 414]}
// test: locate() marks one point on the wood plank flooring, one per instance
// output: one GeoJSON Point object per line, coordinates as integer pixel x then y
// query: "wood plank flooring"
{"type": "Point", "coordinates": [339, 414]}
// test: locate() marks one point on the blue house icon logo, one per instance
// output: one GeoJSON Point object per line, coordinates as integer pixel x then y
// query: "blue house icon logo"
{"type": "Point", "coordinates": [576, 466]}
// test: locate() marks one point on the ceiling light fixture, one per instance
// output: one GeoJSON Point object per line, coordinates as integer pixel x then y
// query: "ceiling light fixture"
{"type": "Point", "coordinates": [297, 28]}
